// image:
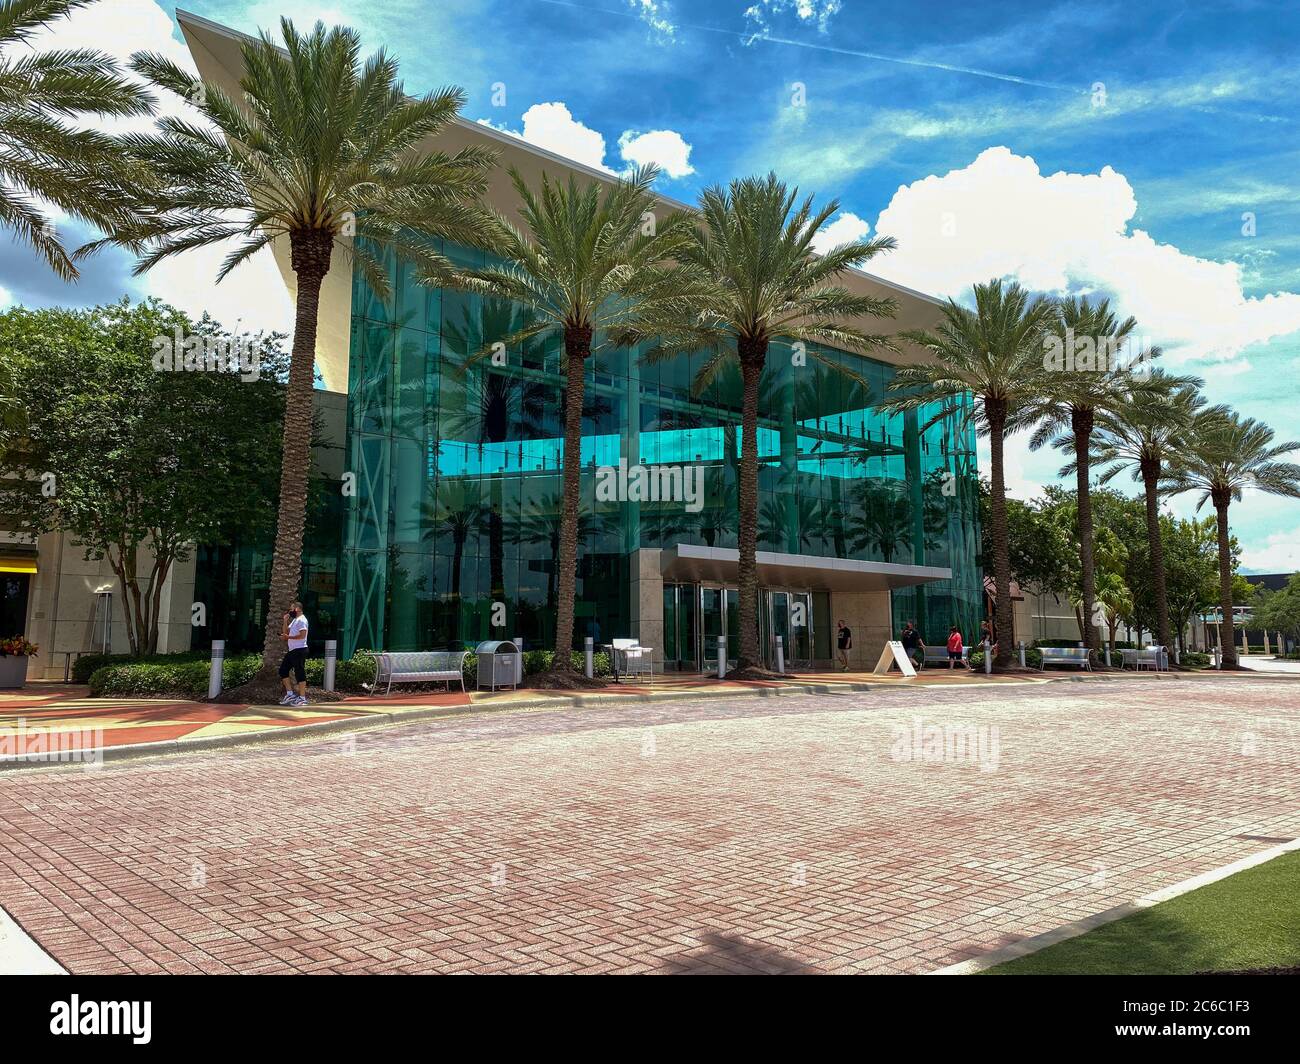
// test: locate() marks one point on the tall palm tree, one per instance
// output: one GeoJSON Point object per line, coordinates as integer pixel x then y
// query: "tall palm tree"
{"type": "Point", "coordinates": [1142, 432]}
{"type": "Point", "coordinates": [1074, 392]}
{"type": "Point", "coordinates": [43, 156]}
{"type": "Point", "coordinates": [994, 353]}
{"type": "Point", "coordinates": [591, 259]}
{"type": "Point", "coordinates": [319, 147]}
{"type": "Point", "coordinates": [756, 279]}
{"type": "Point", "coordinates": [1223, 455]}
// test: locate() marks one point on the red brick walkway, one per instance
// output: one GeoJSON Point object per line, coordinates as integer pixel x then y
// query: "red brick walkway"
{"type": "Point", "coordinates": [745, 835]}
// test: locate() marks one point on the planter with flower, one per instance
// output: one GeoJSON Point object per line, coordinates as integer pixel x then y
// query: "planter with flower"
{"type": "Point", "coordinates": [14, 653]}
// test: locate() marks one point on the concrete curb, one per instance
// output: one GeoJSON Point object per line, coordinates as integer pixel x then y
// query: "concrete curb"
{"type": "Point", "coordinates": [1089, 923]}
{"type": "Point", "coordinates": [20, 954]}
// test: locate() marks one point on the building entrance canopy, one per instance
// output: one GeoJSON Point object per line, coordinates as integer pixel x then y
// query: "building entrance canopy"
{"type": "Point", "coordinates": [691, 563]}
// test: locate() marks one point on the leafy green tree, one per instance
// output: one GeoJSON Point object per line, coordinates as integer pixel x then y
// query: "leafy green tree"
{"type": "Point", "coordinates": [755, 279]}
{"type": "Point", "coordinates": [44, 154]}
{"type": "Point", "coordinates": [1279, 611]}
{"type": "Point", "coordinates": [592, 260]}
{"type": "Point", "coordinates": [324, 151]}
{"type": "Point", "coordinates": [1191, 567]}
{"type": "Point", "coordinates": [136, 464]}
{"type": "Point", "coordinates": [1224, 455]}
{"type": "Point", "coordinates": [995, 354]}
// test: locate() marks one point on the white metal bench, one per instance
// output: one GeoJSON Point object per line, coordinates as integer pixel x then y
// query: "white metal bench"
{"type": "Point", "coordinates": [939, 655]}
{"type": "Point", "coordinates": [1151, 658]}
{"type": "Point", "coordinates": [1066, 656]}
{"type": "Point", "coordinates": [628, 658]}
{"type": "Point", "coordinates": [420, 666]}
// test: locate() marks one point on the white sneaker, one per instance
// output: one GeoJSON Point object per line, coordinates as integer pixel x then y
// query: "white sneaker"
{"type": "Point", "coordinates": [299, 700]}
{"type": "Point", "coordinates": [288, 698]}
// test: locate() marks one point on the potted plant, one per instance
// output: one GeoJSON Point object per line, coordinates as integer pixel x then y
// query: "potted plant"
{"type": "Point", "coordinates": [14, 653]}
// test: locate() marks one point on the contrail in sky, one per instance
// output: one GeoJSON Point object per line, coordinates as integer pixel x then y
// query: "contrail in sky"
{"type": "Point", "coordinates": [748, 38]}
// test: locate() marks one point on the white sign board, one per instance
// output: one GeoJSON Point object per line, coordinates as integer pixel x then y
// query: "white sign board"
{"type": "Point", "coordinates": [894, 654]}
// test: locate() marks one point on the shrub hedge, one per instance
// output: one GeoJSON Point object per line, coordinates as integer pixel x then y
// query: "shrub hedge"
{"type": "Point", "coordinates": [185, 675]}
{"type": "Point", "coordinates": [1033, 658]}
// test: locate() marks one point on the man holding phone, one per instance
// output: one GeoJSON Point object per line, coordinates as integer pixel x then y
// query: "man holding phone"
{"type": "Point", "coordinates": [294, 632]}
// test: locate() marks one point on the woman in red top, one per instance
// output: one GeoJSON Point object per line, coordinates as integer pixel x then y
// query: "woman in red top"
{"type": "Point", "coordinates": [954, 646]}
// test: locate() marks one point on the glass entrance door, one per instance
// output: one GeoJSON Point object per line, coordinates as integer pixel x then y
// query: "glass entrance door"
{"type": "Point", "coordinates": [787, 614]}
{"type": "Point", "coordinates": [719, 615]}
{"type": "Point", "coordinates": [681, 642]}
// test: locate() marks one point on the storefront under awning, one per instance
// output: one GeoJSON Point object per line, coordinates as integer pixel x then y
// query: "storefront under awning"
{"type": "Point", "coordinates": [17, 559]}
{"type": "Point", "coordinates": [692, 563]}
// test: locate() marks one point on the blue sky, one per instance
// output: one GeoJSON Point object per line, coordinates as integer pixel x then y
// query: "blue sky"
{"type": "Point", "coordinates": [1145, 151]}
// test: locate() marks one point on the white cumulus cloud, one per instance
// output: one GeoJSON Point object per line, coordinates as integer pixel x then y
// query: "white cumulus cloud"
{"type": "Point", "coordinates": [847, 227]}
{"type": "Point", "coordinates": [664, 147]}
{"type": "Point", "coordinates": [1068, 232]}
{"type": "Point", "coordinates": [552, 126]}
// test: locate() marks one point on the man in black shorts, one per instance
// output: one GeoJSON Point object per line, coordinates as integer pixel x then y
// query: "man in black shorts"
{"type": "Point", "coordinates": [845, 644]}
{"type": "Point", "coordinates": [912, 643]}
{"type": "Point", "coordinates": [294, 632]}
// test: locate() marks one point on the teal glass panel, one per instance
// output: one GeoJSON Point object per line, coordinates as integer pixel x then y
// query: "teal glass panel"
{"type": "Point", "coordinates": [457, 446]}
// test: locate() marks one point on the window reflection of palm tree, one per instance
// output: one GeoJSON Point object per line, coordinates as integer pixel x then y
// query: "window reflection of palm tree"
{"type": "Point", "coordinates": [541, 524]}
{"type": "Point", "coordinates": [455, 509]}
{"type": "Point", "coordinates": [882, 518]}
{"type": "Point", "coordinates": [774, 517]}
{"type": "Point", "coordinates": [499, 402]}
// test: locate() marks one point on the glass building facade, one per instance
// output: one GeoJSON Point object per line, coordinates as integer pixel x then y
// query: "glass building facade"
{"type": "Point", "coordinates": [451, 521]}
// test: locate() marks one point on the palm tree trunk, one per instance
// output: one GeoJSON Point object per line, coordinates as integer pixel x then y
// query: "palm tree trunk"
{"type": "Point", "coordinates": [577, 346]}
{"type": "Point", "coordinates": [1225, 582]}
{"type": "Point", "coordinates": [1081, 423]}
{"type": "Point", "coordinates": [752, 355]}
{"type": "Point", "coordinates": [1156, 546]}
{"type": "Point", "coordinates": [310, 258]}
{"type": "Point", "coordinates": [1003, 624]}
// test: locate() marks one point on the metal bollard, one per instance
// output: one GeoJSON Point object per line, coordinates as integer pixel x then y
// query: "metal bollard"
{"type": "Point", "coordinates": [214, 669]}
{"type": "Point", "coordinates": [722, 656]}
{"type": "Point", "coordinates": [331, 662]}
{"type": "Point", "coordinates": [780, 654]}
{"type": "Point", "coordinates": [519, 660]}
{"type": "Point", "coordinates": [589, 643]}
{"type": "Point", "coordinates": [1021, 647]}
{"type": "Point", "coordinates": [988, 658]}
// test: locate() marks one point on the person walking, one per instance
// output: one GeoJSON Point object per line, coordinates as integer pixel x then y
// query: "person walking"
{"type": "Point", "coordinates": [845, 644]}
{"type": "Point", "coordinates": [954, 647]}
{"type": "Point", "coordinates": [913, 644]}
{"type": "Point", "coordinates": [294, 632]}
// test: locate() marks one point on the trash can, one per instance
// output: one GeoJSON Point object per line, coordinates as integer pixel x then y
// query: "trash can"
{"type": "Point", "coordinates": [498, 662]}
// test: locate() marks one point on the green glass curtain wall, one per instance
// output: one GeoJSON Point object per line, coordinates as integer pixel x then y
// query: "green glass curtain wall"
{"type": "Point", "coordinates": [457, 474]}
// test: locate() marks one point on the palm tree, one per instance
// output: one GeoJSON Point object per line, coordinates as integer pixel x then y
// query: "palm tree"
{"type": "Point", "coordinates": [1143, 431]}
{"type": "Point", "coordinates": [1223, 455]}
{"type": "Point", "coordinates": [994, 353]}
{"type": "Point", "coordinates": [1076, 388]}
{"type": "Point", "coordinates": [593, 259]}
{"type": "Point", "coordinates": [42, 156]}
{"type": "Point", "coordinates": [756, 279]}
{"type": "Point", "coordinates": [319, 147]}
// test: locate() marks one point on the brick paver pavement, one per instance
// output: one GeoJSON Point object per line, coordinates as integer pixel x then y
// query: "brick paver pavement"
{"type": "Point", "coordinates": [793, 834]}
